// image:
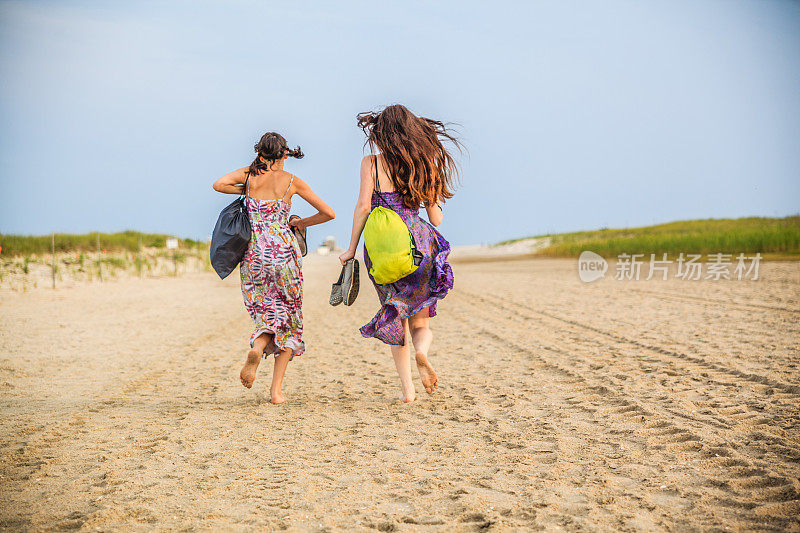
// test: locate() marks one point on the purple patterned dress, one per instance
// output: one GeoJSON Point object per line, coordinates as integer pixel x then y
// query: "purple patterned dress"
{"type": "Point", "coordinates": [272, 279]}
{"type": "Point", "coordinates": [422, 288]}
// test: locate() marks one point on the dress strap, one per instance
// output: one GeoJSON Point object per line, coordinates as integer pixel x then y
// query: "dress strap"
{"type": "Point", "coordinates": [287, 188]}
{"type": "Point", "coordinates": [377, 182]}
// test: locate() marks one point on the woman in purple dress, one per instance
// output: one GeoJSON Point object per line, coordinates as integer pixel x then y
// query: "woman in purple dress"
{"type": "Point", "coordinates": [412, 170]}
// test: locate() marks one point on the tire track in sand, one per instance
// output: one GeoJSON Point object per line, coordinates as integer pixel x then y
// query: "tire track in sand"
{"type": "Point", "coordinates": [674, 367]}
{"type": "Point", "coordinates": [733, 411]}
{"type": "Point", "coordinates": [770, 494]}
{"type": "Point", "coordinates": [754, 378]}
{"type": "Point", "coordinates": [714, 301]}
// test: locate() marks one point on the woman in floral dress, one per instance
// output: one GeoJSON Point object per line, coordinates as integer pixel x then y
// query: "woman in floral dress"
{"type": "Point", "coordinates": [272, 279]}
{"type": "Point", "coordinates": [412, 170]}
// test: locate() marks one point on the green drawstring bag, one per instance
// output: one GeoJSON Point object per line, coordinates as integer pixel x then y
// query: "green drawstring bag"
{"type": "Point", "coordinates": [390, 246]}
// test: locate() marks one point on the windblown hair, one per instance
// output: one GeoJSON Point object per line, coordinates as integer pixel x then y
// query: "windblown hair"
{"type": "Point", "coordinates": [421, 168]}
{"type": "Point", "coordinates": [271, 147]}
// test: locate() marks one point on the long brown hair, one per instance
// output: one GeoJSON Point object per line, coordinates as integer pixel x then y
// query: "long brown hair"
{"type": "Point", "coordinates": [421, 168]}
{"type": "Point", "coordinates": [271, 147]}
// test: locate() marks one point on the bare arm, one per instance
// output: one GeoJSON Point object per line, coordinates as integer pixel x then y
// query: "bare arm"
{"type": "Point", "coordinates": [435, 213]}
{"type": "Point", "coordinates": [363, 206]}
{"type": "Point", "coordinates": [324, 211]}
{"type": "Point", "coordinates": [232, 182]}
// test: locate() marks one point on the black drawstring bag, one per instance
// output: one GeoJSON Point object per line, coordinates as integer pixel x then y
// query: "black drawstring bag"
{"type": "Point", "coordinates": [231, 236]}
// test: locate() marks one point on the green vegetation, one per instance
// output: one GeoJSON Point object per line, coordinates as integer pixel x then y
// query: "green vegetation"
{"type": "Point", "coordinates": [779, 237]}
{"type": "Point", "coordinates": [117, 262]}
{"type": "Point", "coordinates": [19, 245]}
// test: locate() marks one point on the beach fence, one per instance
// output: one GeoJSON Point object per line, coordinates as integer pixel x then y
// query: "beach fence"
{"type": "Point", "coordinates": [57, 259]}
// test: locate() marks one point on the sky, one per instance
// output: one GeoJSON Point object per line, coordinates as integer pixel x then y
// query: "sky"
{"type": "Point", "coordinates": [575, 114]}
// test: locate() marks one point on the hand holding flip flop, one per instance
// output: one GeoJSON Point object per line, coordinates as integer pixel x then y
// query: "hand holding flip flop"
{"type": "Point", "coordinates": [299, 230]}
{"type": "Point", "coordinates": [346, 287]}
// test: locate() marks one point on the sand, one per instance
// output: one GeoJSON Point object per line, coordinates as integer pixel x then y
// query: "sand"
{"type": "Point", "coordinates": [562, 406]}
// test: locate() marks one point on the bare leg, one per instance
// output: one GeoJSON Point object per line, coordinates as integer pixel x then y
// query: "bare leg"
{"type": "Point", "coordinates": [281, 362]}
{"type": "Point", "coordinates": [402, 361]}
{"type": "Point", "coordinates": [248, 373]}
{"type": "Point", "coordinates": [422, 337]}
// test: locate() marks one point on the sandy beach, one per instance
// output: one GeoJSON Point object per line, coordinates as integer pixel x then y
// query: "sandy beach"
{"type": "Point", "coordinates": [650, 405]}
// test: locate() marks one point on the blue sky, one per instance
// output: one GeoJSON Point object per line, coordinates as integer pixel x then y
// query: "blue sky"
{"type": "Point", "coordinates": [577, 115]}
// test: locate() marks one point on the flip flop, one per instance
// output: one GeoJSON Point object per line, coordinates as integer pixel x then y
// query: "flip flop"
{"type": "Point", "coordinates": [300, 236]}
{"type": "Point", "coordinates": [336, 290]}
{"type": "Point", "coordinates": [350, 283]}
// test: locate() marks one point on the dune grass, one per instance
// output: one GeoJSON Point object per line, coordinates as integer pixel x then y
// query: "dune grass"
{"type": "Point", "coordinates": [26, 245]}
{"type": "Point", "coordinates": [774, 237]}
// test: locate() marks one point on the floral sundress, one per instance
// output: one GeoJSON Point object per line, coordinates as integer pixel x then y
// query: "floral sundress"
{"type": "Point", "coordinates": [272, 277]}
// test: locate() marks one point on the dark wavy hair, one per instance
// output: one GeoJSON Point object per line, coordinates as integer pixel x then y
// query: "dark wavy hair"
{"type": "Point", "coordinates": [421, 168]}
{"type": "Point", "coordinates": [271, 147]}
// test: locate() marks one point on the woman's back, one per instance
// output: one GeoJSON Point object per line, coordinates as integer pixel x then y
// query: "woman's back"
{"type": "Point", "coordinates": [384, 180]}
{"type": "Point", "coordinates": [270, 185]}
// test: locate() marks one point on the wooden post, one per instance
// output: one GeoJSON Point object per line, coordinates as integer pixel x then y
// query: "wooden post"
{"type": "Point", "coordinates": [53, 250]}
{"type": "Point", "coordinates": [141, 266]}
{"type": "Point", "coordinates": [99, 260]}
{"type": "Point", "coordinates": [174, 264]}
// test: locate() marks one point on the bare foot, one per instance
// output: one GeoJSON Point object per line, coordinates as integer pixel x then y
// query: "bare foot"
{"type": "Point", "coordinates": [276, 397]}
{"type": "Point", "coordinates": [429, 379]}
{"type": "Point", "coordinates": [407, 398]}
{"type": "Point", "coordinates": [248, 373]}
